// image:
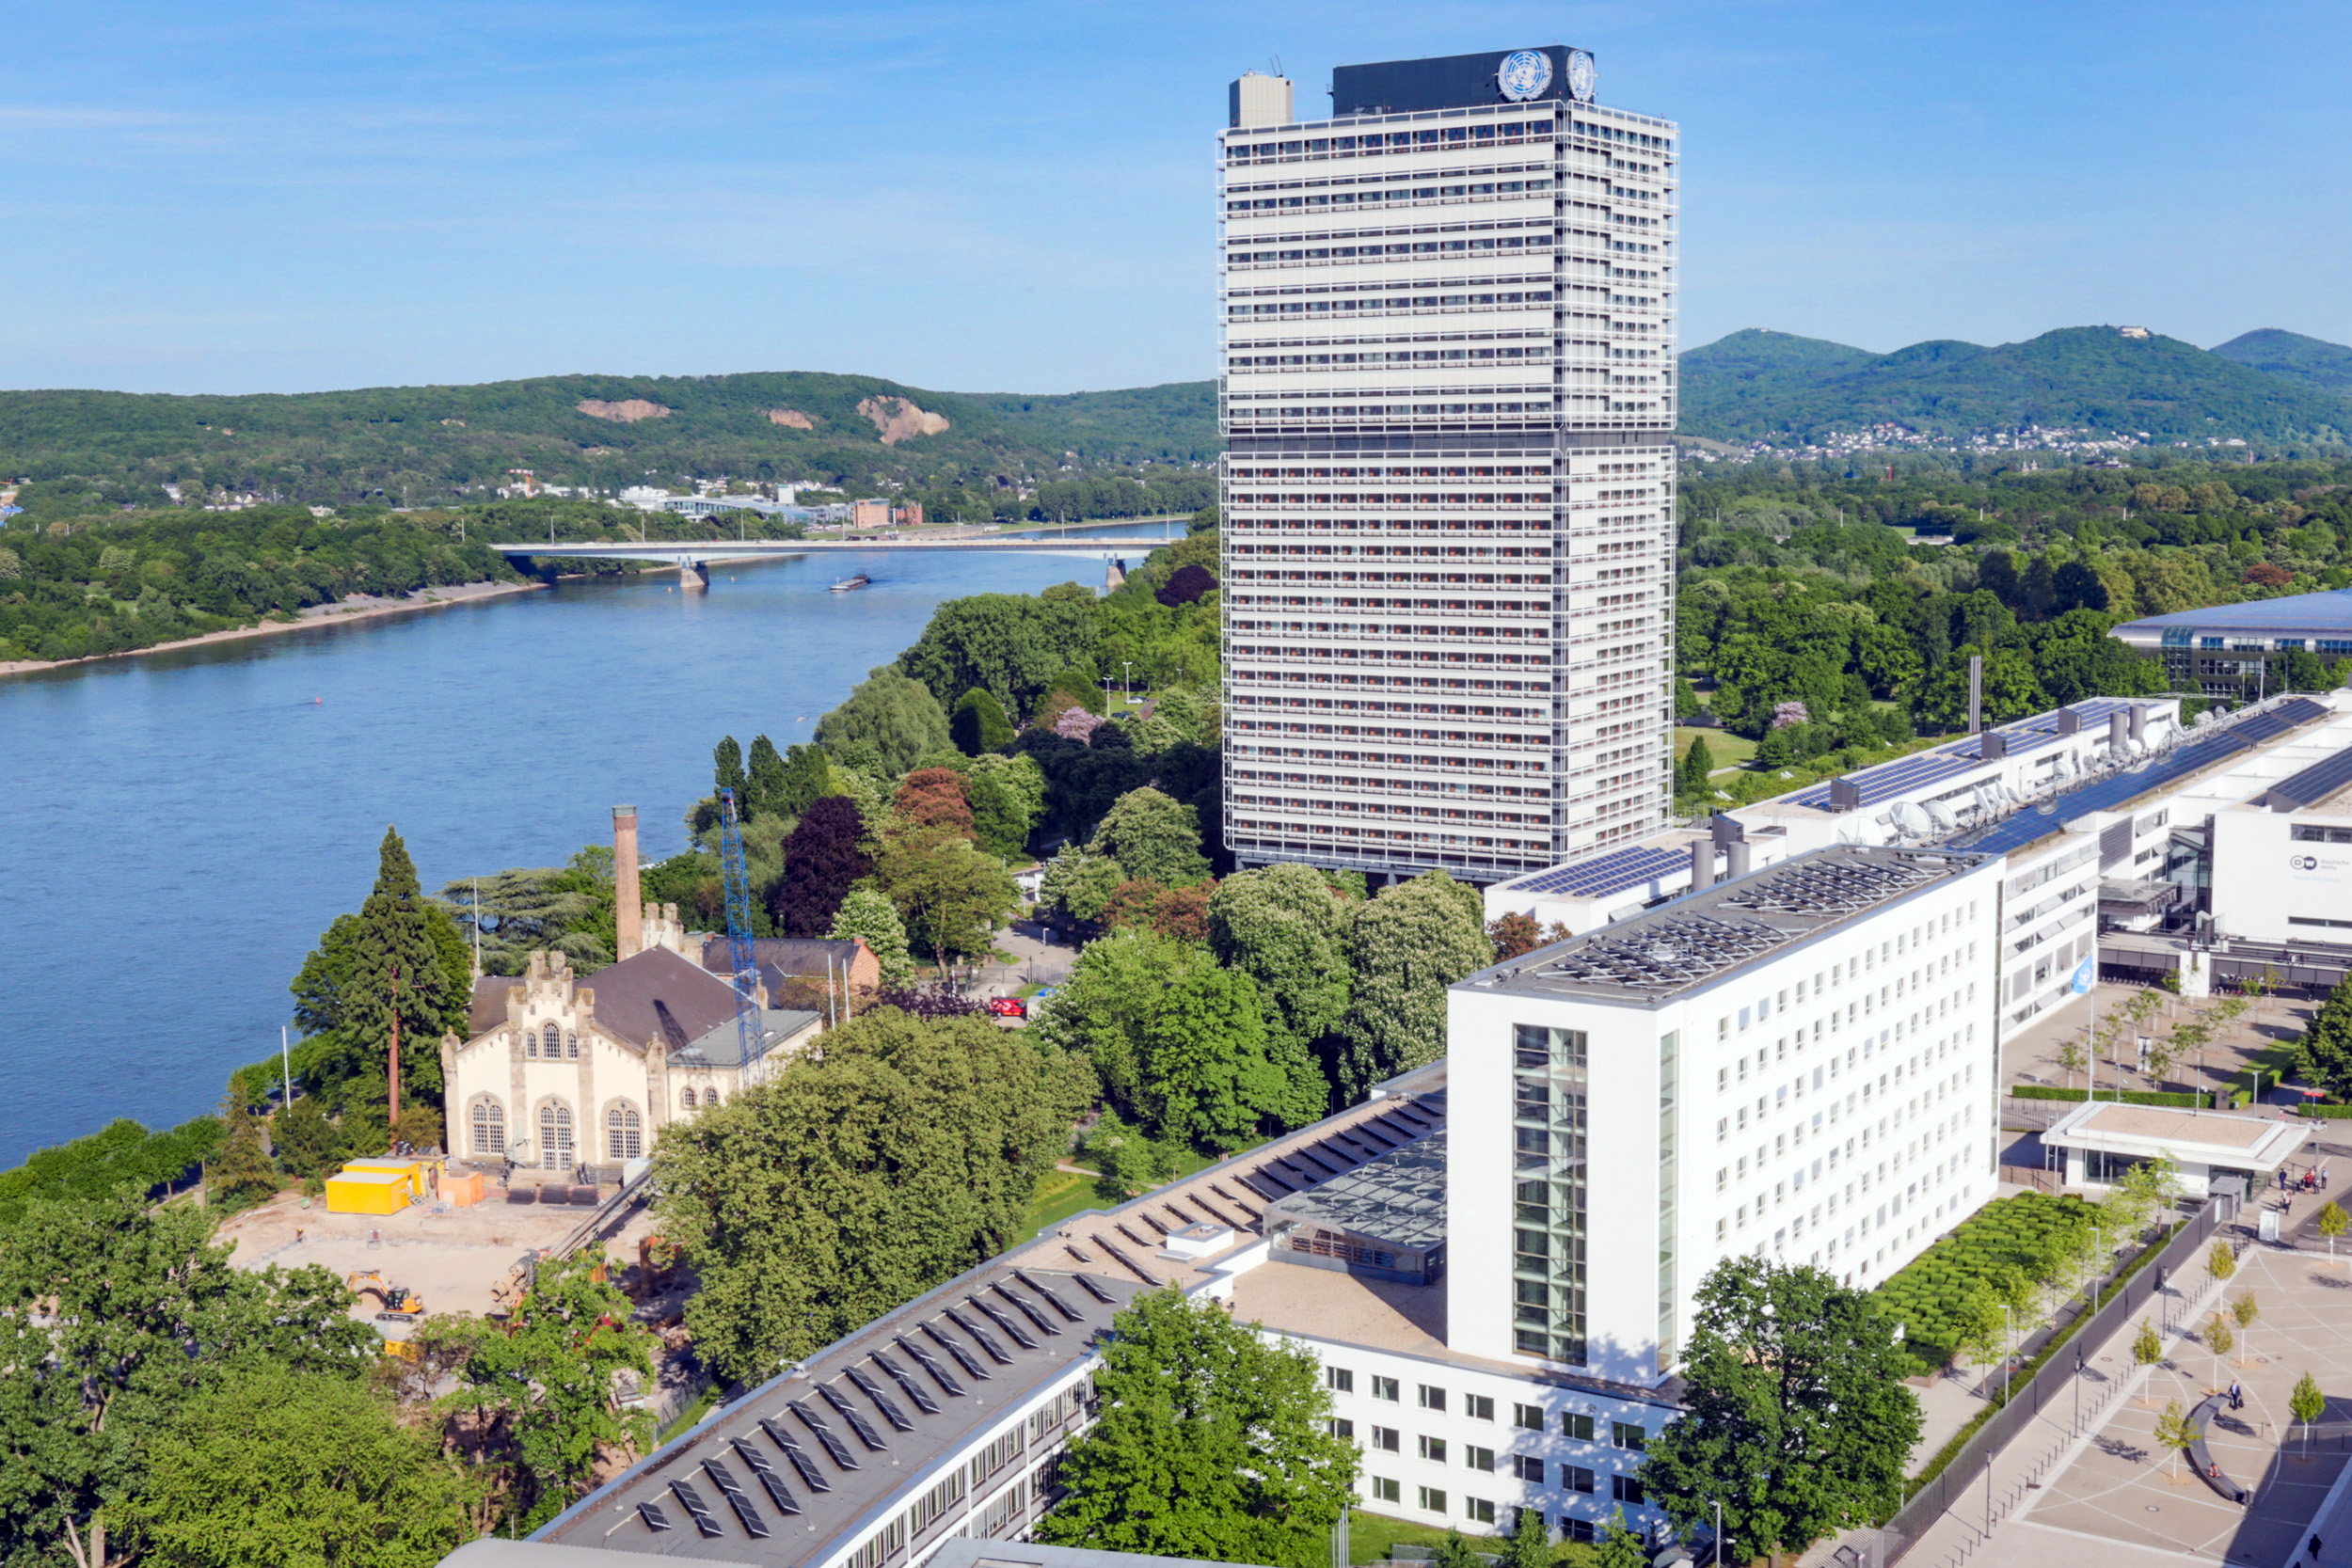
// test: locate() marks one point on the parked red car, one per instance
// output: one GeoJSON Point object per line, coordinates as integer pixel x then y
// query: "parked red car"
{"type": "Point", "coordinates": [1008, 1006]}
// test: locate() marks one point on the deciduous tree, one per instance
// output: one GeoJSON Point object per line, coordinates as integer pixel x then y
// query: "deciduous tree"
{"type": "Point", "coordinates": [273, 1465]}
{"type": "Point", "coordinates": [867, 916]}
{"type": "Point", "coordinates": [1213, 1443]}
{"type": "Point", "coordinates": [1157, 838]}
{"type": "Point", "coordinates": [887, 723]}
{"type": "Point", "coordinates": [978, 723]}
{"type": "Point", "coordinates": [951, 896]}
{"type": "Point", "coordinates": [546, 1377]}
{"type": "Point", "coordinates": [1796, 1417]}
{"type": "Point", "coordinates": [933, 798]}
{"type": "Point", "coordinates": [2175, 1431]}
{"type": "Point", "coordinates": [1405, 948]}
{"type": "Point", "coordinates": [821, 860]}
{"type": "Point", "coordinates": [842, 1187]}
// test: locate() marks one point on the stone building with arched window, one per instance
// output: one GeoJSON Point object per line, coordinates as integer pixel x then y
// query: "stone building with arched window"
{"type": "Point", "coordinates": [563, 1070]}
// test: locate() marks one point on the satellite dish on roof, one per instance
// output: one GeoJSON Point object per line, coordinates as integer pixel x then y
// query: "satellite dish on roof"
{"type": "Point", "coordinates": [2203, 718]}
{"type": "Point", "coordinates": [1911, 821]}
{"type": "Point", "coordinates": [1940, 815]}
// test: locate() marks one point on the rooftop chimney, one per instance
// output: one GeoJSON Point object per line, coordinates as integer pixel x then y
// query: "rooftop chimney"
{"type": "Point", "coordinates": [2140, 721]}
{"type": "Point", "coordinates": [1702, 863]}
{"type": "Point", "coordinates": [1735, 858]}
{"type": "Point", "coordinates": [628, 914]}
{"type": "Point", "coordinates": [2115, 730]}
{"type": "Point", "coordinates": [1976, 693]}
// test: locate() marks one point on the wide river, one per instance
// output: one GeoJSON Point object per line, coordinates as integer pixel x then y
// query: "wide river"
{"type": "Point", "coordinates": [180, 827]}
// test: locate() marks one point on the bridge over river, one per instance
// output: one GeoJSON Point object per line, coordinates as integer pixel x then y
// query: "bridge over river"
{"type": "Point", "coordinates": [694, 557]}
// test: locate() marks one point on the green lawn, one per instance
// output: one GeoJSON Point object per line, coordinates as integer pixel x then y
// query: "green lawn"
{"type": "Point", "coordinates": [1728, 750]}
{"type": "Point", "coordinates": [1059, 1194]}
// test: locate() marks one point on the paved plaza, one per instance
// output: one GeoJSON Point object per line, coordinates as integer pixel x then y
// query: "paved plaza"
{"type": "Point", "coordinates": [2120, 1489]}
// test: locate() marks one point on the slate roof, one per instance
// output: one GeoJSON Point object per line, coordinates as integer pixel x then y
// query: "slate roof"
{"type": "Point", "coordinates": [658, 994]}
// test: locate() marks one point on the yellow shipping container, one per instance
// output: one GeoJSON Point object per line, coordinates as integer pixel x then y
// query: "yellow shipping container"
{"type": "Point", "coordinates": [412, 1170]}
{"type": "Point", "coordinates": [367, 1192]}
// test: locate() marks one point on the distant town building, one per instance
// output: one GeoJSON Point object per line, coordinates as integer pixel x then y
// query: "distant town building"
{"type": "Point", "coordinates": [2132, 331]}
{"type": "Point", "coordinates": [1449, 355]}
{"type": "Point", "coordinates": [869, 513]}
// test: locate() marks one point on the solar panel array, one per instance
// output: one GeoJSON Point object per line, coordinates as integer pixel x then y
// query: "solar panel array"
{"type": "Point", "coordinates": [1611, 872]}
{"type": "Point", "coordinates": [2317, 782]}
{"type": "Point", "coordinates": [1905, 774]}
{"type": "Point", "coordinates": [2200, 752]}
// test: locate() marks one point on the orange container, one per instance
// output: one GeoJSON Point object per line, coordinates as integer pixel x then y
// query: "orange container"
{"type": "Point", "coordinates": [462, 1191]}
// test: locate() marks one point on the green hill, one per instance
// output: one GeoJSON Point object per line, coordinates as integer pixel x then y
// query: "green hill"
{"type": "Point", "coordinates": [435, 443]}
{"type": "Point", "coordinates": [2313, 361]}
{"type": "Point", "coordinates": [1753, 385]}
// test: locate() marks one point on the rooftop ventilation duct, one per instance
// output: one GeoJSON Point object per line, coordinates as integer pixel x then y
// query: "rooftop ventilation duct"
{"type": "Point", "coordinates": [1702, 863]}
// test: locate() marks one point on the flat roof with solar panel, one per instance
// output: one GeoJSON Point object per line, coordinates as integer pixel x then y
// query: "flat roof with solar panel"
{"type": "Point", "coordinates": [1606, 874]}
{"type": "Point", "coordinates": [2196, 752]}
{"type": "Point", "coordinates": [1891, 780]}
{"type": "Point", "coordinates": [2316, 786]}
{"type": "Point", "coordinates": [821, 1458]}
{"type": "Point", "coordinates": [1708, 934]}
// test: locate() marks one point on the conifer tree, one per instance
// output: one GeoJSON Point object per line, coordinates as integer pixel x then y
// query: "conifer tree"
{"type": "Point", "coordinates": [398, 984]}
{"type": "Point", "coordinates": [239, 1175]}
{"type": "Point", "coordinates": [978, 723]}
{"type": "Point", "coordinates": [766, 783]}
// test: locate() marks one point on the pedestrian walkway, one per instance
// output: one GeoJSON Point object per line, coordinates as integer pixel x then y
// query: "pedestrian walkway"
{"type": "Point", "coordinates": [2060, 1496]}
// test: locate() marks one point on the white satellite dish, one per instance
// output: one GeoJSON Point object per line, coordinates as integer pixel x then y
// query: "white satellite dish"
{"type": "Point", "coordinates": [1944, 821]}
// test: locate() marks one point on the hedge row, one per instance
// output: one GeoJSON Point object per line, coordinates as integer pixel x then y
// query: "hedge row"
{"type": "Point", "coordinates": [2185, 1100]}
{"type": "Point", "coordinates": [2328, 1113]}
{"type": "Point", "coordinates": [121, 1155]}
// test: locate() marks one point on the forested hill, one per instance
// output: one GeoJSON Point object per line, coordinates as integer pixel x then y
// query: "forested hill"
{"type": "Point", "coordinates": [2312, 362]}
{"type": "Point", "coordinates": [442, 443]}
{"type": "Point", "coordinates": [1757, 384]}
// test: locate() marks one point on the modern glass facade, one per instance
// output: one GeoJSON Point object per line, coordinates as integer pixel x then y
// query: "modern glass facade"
{"type": "Point", "coordinates": [1668, 1082]}
{"type": "Point", "coordinates": [1549, 1085]}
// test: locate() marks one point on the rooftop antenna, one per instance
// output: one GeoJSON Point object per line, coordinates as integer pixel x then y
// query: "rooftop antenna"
{"type": "Point", "coordinates": [1276, 61]}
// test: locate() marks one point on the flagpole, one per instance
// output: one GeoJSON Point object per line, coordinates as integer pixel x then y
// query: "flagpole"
{"type": "Point", "coordinates": [285, 1064]}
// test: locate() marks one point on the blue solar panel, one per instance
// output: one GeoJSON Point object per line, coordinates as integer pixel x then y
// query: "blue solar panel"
{"type": "Point", "coordinates": [1890, 779]}
{"type": "Point", "coordinates": [1611, 872]}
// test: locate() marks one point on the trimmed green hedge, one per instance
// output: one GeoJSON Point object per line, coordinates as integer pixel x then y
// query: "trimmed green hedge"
{"type": "Point", "coordinates": [121, 1155]}
{"type": "Point", "coordinates": [2328, 1113]}
{"type": "Point", "coordinates": [1931, 1294]}
{"type": "Point", "coordinates": [2183, 1099]}
{"type": "Point", "coordinates": [2273, 1063]}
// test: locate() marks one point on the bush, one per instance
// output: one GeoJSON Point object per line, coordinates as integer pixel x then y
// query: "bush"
{"type": "Point", "coordinates": [2130, 1096]}
{"type": "Point", "coordinates": [123, 1155]}
{"type": "Point", "coordinates": [1933, 1295]}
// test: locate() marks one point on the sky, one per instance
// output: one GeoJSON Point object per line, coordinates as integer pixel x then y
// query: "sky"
{"type": "Point", "coordinates": [296, 195]}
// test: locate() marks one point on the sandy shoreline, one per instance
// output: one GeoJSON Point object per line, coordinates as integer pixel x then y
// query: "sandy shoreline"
{"type": "Point", "coordinates": [356, 606]}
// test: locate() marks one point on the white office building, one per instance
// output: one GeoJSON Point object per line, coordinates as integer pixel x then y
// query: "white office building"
{"type": "Point", "coordinates": [1448, 337]}
{"type": "Point", "coordinates": [1799, 1063]}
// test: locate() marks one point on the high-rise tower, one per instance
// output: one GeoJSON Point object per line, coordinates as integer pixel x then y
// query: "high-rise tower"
{"type": "Point", "coordinates": [1448, 400]}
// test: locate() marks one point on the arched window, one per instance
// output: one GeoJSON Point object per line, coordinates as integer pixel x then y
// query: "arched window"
{"type": "Point", "coordinates": [489, 1128]}
{"type": "Point", "coordinates": [571, 1045]}
{"type": "Point", "coordinates": [552, 1042]}
{"type": "Point", "coordinates": [623, 1137]}
{"type": "Point", "coordinates": [531, 1042]}
{"type": "Point", "coordinates": [555, 1137]}
{"type": "Point", "coordinates": [686, 1099]}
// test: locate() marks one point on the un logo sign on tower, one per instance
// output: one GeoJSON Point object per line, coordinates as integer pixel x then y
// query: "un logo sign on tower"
{"type": "Point", "coordinates": [1524, 75]}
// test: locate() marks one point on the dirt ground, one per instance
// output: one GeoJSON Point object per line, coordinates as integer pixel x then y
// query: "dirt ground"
{"type": "Point", "coordinates": [452, 1260]}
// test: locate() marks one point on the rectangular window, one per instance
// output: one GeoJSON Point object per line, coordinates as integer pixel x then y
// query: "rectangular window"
{"type": "Point", "coordinates": [1384, 1388]}
{"type": "Point", "coordinates": [1575, 1425]}
{"type": "Point", "coordinates": [1580, 1531]}
{"type": "Point", "coordinates": [1574, 1477]}
{"type": "Point", "coordinates": [1478, 1407]}
{"type": "Point", "coordinates": [1625, 1435]}
{"type": "Point", "coordinates": [1433, 1449]}
{"type": "Point", "coordinates": [1528, 1469]}
{"type": "Point", "coordinates": [1478, 1458]}
{"type": "Point", "coordinates": [1385, 1439]}
{"type": "Point", "coordinates": [1479, 1509]}
{"type": "Point", "coordinates": [1432, 1398]}
{"type": "Point", "coordinates": [1527, 1418]}
{"type": "Point", "coordinates": [1342, 1381]}
{"type": "Point", "coordinates": [1625, 1489]}
{"type": "Point", "coordinates": [1432, 1500]}
{"type": "Point", "coordinates": [1383, 1490]}
{"type": "Point", "coordinates": [1342, 1427]}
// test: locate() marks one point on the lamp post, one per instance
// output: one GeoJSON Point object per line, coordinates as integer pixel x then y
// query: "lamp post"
{"type": "Point", "coordinates": [1127, 681]}
{"type": "Point", "coordinates": [2008, 1334]}
{"type": "Point", "coordinates": [1719, 1532]}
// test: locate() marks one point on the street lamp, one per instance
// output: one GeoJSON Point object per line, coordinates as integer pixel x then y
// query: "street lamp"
{"type": "Point", "coordinates": [1127, 679]}
{"type": "Point", "coordinates": [1719, 1532]}
{"type": "Point", "coordinates": [2008, 1331]}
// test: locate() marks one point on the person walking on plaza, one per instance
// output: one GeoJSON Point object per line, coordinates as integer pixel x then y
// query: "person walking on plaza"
{"type": "Point", "coordinates": [2238, 1396]}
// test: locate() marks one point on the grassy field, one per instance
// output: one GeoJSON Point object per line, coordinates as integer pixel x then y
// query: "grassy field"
{"type": "Point", "coordinates": [1059, 1194]}
{"type": "Point", "coordinates": [1728, 750]}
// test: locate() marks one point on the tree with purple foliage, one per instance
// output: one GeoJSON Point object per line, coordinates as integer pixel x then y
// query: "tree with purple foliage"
{"type": "Point", "coordinates": [820, 860]}
{"type": "Point", "coordinates": [1185, 584]}
{"type": "Point", "coordinates": [929, 1002]}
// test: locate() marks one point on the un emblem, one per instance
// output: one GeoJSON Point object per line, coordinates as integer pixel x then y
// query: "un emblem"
{"type": "Point", "coordinates": [1580, 75]}
{"type": "Point", "coordinates": [1524, 75]}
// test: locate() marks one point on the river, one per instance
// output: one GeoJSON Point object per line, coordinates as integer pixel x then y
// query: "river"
{"type": "Point", "coordinates": [180, 827]}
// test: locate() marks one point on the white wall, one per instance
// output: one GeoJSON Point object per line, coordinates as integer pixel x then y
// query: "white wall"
{"type": "Point", "coordinates": [2264, 881]}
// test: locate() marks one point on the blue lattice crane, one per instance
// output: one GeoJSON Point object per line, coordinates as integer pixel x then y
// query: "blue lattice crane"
{"type": "Point", "coordinates": [752, 1034]}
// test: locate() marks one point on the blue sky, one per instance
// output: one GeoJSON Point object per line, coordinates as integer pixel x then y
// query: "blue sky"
{"type": "Point", "coordinates": [268, 196]}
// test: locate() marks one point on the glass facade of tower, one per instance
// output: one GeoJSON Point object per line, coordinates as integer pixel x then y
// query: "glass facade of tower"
{"type": "Point", "coordinates": [1549, 1196]}
{"type": "Point", "coordinates": [1448, 543]}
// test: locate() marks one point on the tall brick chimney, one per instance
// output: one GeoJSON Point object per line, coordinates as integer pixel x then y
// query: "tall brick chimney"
{"type": "Point", "coordinates": [629, 913]}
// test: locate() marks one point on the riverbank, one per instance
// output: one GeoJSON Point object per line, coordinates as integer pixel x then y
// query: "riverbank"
{"type": "Point", "coordinates": [353, 606]}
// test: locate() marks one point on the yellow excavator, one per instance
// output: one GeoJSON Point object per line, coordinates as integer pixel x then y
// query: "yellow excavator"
{"type": "Point", "coordinates": [400, 1304]}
